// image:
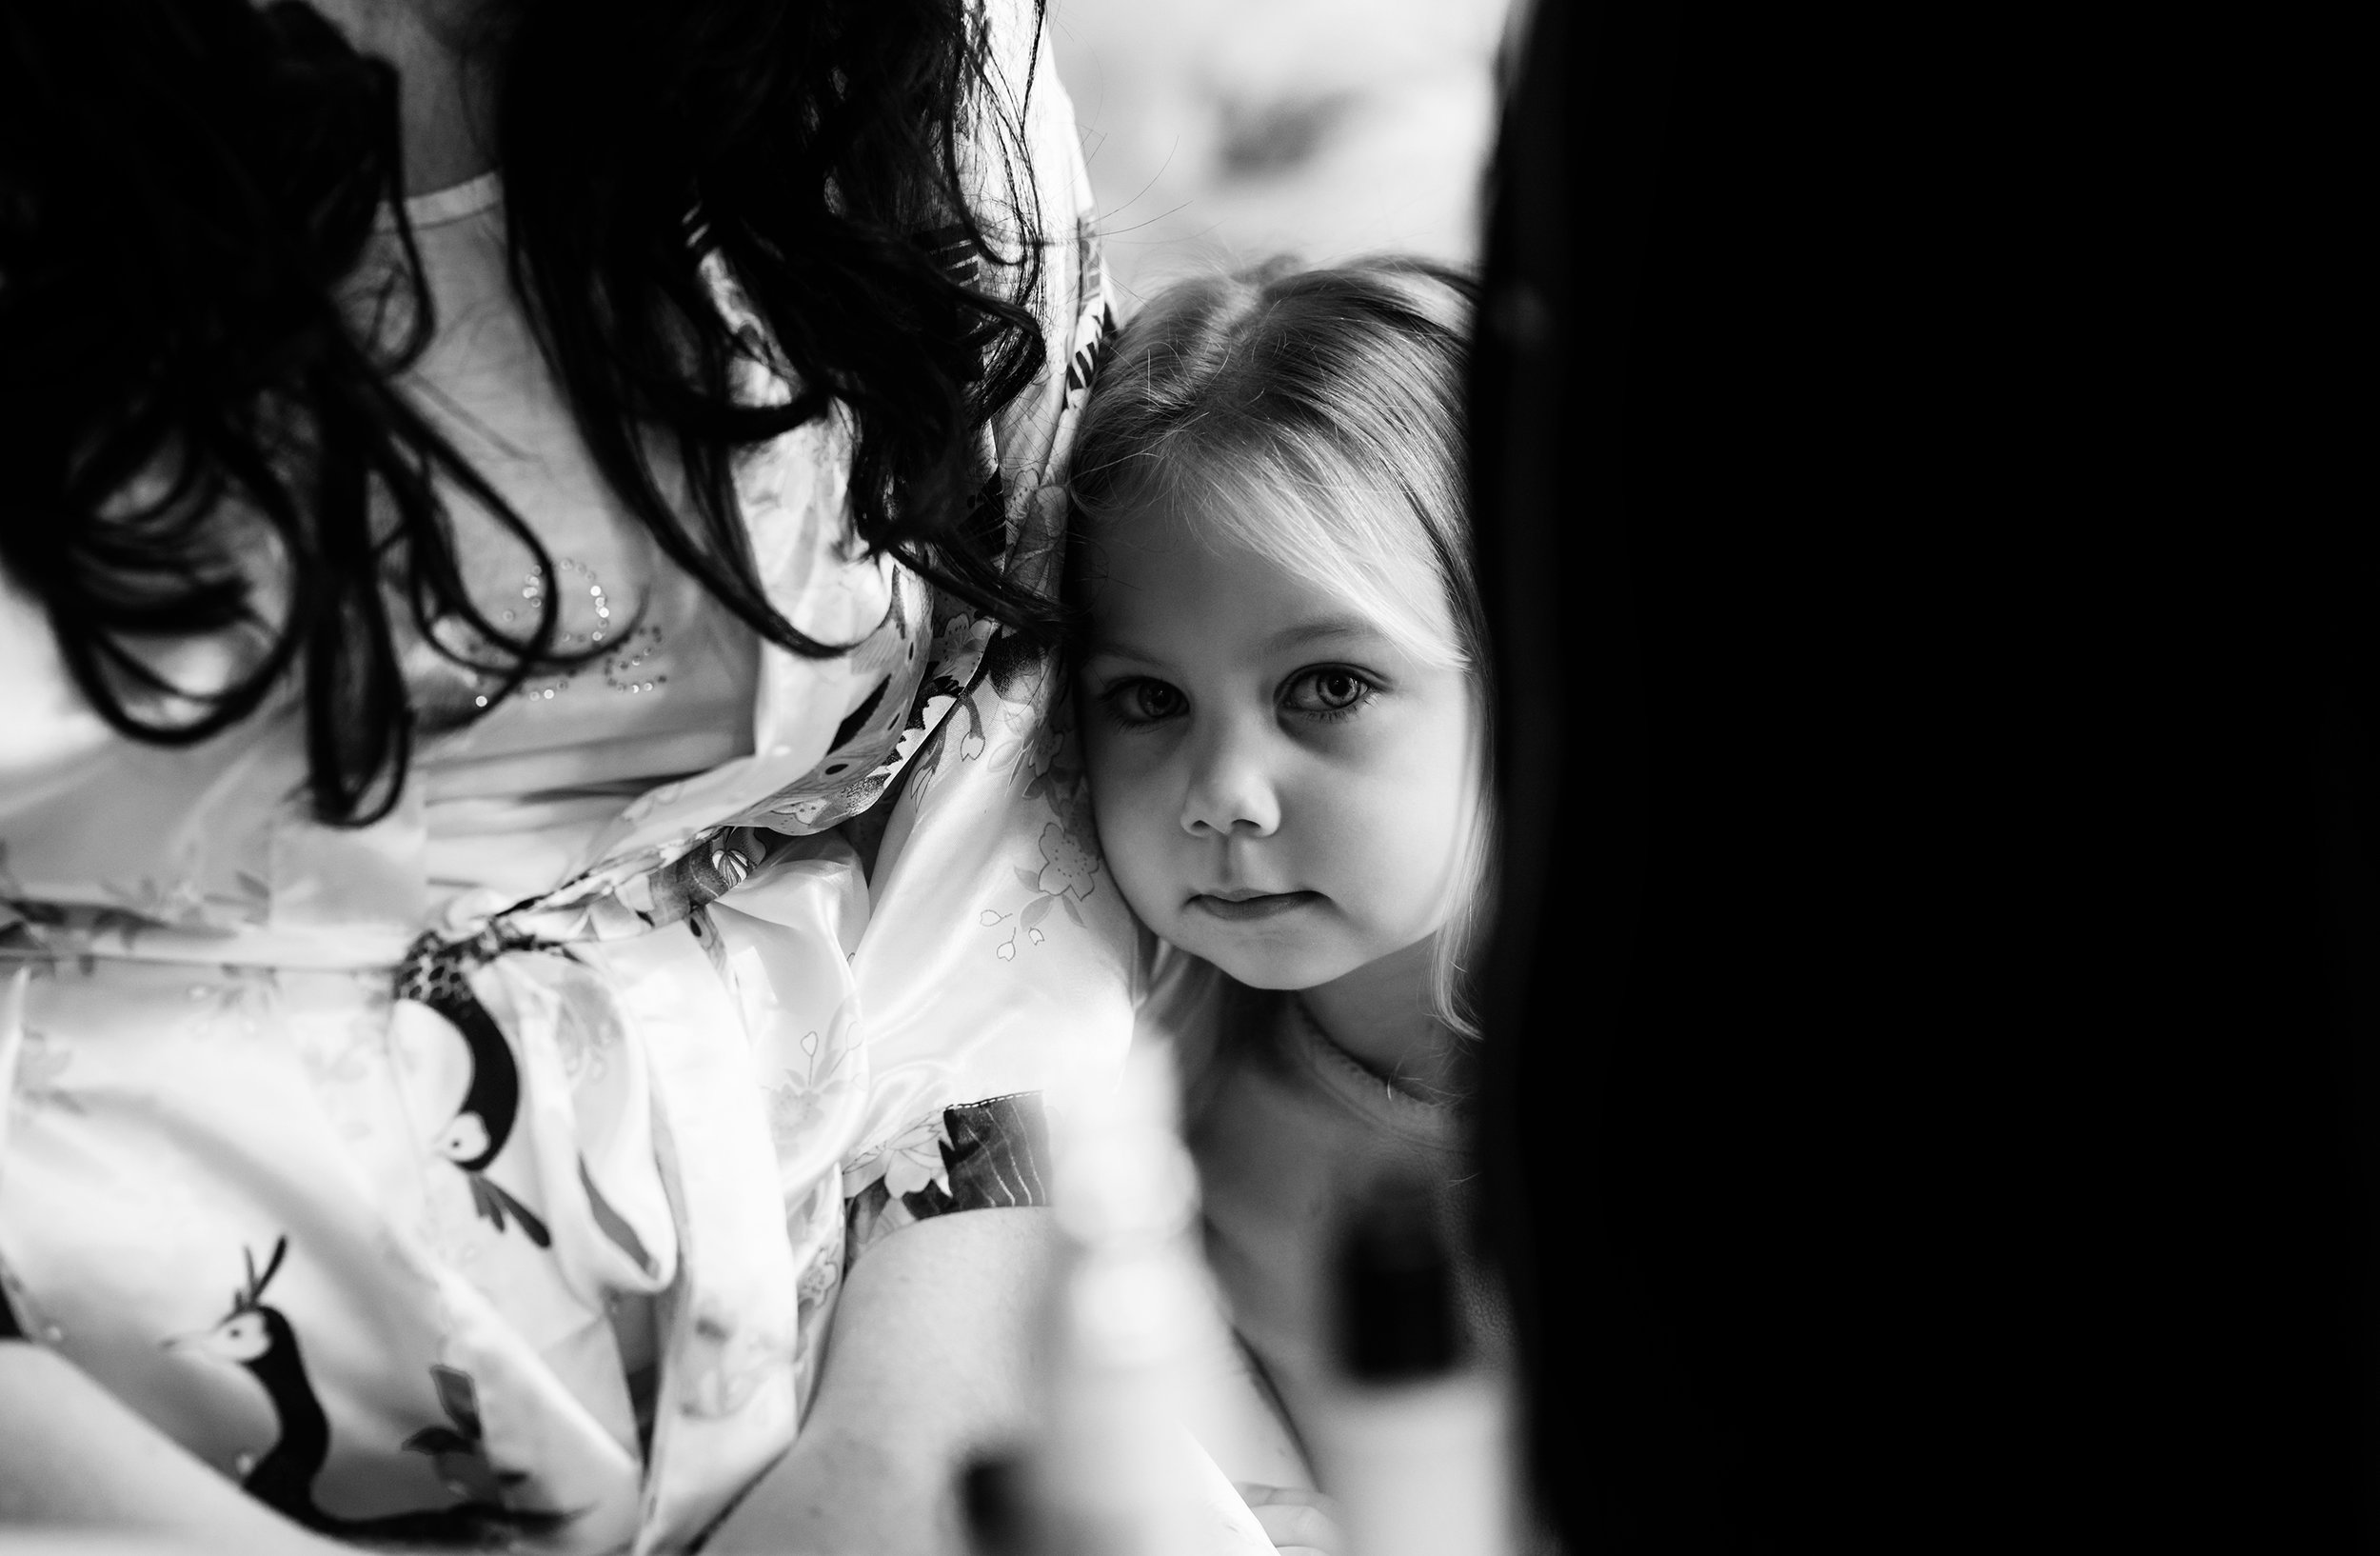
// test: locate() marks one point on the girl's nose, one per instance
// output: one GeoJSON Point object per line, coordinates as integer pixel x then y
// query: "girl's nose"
{"type": "Point", "coordinates": [1231, 793]}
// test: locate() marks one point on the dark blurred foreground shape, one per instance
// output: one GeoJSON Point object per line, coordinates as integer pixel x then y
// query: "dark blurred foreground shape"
{"type": "Point", "coordinates": [1612, 1439]}
{"type": "Point", "coordinates": [1930, 1079]}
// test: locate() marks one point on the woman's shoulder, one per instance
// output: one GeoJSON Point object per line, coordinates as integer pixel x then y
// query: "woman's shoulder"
{"type": "Point", "coordinates": [1014, 38]}
{"type": "Point", "coordinates": [1021, 157]}
{"type": "Point", "coordinates": [43, 721]}
{"type": "Point", "coordinates": [1028, 177]}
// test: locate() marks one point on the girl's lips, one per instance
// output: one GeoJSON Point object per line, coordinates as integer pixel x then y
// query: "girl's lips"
{"type": "Point", "coordinates": [1262, 905]}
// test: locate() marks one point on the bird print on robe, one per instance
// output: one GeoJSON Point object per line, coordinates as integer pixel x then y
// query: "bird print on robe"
{"type": "Point", "coordinates": [483, 1122]}
{"type": "Point", "coordinates": [460, 1450]}
{"type": "Point", "coordinates": [257, 1336]}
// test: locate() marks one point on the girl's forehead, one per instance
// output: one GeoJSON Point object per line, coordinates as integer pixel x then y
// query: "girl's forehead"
{"type": "Point", "coordinates": [1181, 577]}
{"type": "Point", "coordinates": [1225, 524]}
{"type": "Point", "coordinates": [1150, 525]}
{"type": "Point", "coordinates": [1155, 560]}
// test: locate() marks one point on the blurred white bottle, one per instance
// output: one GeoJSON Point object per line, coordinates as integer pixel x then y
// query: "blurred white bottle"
{"type": "Point", "coordinates": [1416, 1441]}
{"type": "Point", "coordinates": [1115, 1473]}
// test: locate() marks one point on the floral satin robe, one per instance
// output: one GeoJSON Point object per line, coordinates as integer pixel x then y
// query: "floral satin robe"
{"type": "Point", "coordinates": [341, 1193]}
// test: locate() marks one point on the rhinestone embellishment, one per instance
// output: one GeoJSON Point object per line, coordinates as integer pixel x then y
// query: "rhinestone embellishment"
{"type": "Point", "coordinates": [628, 669]}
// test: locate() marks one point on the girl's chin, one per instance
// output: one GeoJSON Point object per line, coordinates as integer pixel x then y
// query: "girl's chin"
{"type": "Point", "coordinates": [1270, 966]}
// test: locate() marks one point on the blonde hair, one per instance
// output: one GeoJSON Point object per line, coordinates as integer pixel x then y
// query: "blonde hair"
{"type": "Point", "coordinates": [1316, 418]}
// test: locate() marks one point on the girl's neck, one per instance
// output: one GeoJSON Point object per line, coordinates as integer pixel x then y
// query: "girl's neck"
{"type": "Point", "coordinates": [1380, 1013]}
{"type": "Point", "coordinates": [444, 88]}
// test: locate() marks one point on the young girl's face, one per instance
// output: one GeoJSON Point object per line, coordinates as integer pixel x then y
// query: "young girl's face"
{"type": "Point", "coordinates": [1281, 788]}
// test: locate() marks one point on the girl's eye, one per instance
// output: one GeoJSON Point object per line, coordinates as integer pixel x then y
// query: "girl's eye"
{"type": "Point", "coordinates": [1331, 691]}
{"type": "Point", "coordinates": [1142, 700]}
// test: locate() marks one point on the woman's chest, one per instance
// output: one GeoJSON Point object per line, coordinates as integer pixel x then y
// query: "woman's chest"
{"type": "Point", "coordinates": [635, 651]}
{"type": "Point", "coordinates": [655, 714]}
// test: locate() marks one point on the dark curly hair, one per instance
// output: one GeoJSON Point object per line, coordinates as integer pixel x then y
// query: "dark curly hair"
{"type": "Point", "coordinates": [205, 438]}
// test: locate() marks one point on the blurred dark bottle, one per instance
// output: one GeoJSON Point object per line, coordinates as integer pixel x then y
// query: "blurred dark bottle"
{"type": "Point", "coordinates": [1416, 1441]}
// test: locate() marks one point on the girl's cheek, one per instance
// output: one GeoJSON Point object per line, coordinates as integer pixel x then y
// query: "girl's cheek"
{"type": "Point", "coordinates": [1120, 807]}
{"type": "Point", "coordinates": [1138, 860]}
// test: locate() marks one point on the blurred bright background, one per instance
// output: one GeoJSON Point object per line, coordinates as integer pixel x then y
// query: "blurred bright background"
{"type": "Point", "coordinates": [1223, 131]}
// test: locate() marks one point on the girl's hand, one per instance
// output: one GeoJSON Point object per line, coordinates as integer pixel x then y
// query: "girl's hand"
{"type": "Point", "coordinates": [1300, 1521]}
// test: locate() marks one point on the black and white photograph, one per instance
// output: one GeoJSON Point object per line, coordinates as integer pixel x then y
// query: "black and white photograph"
{"type": "Point", "coordinates": [1183, 778]}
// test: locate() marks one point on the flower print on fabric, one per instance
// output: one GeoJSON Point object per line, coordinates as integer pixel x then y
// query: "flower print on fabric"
{"type": "Point", "coordinates": [980, 1155]}
{"type": "Point", "coordinates": [238, 1002]}
{"type": "Point", "coordinates": [181, 899]}
{"type": "Point", "coordinates": [29, 924]}
{"type": "Point", "coordinates": [1068, 870]}
{"type": "Point", "coordinates": [907, 1164]}
{"type": "Point", "coordinates": [804, 1099]}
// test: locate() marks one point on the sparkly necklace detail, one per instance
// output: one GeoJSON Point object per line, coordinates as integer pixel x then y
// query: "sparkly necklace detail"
{"type": "Point", "coordinates": [628, 668]}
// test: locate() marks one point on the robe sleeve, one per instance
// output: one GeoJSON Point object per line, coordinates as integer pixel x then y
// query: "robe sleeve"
{"type": "Point", "coordinates": [994, 977]}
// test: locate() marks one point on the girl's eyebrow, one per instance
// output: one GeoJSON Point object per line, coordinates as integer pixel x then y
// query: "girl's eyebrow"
{"type": "Point", "coordinates": [1103, 649]}
{"type": "Point", "coordinates": [1329, 627]}
{"type": "Point", "coordinates": [1287, 638]}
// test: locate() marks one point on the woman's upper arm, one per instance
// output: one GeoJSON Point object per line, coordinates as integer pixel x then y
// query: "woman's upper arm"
{"type": "Point", "coordinates": [930, 1366]}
